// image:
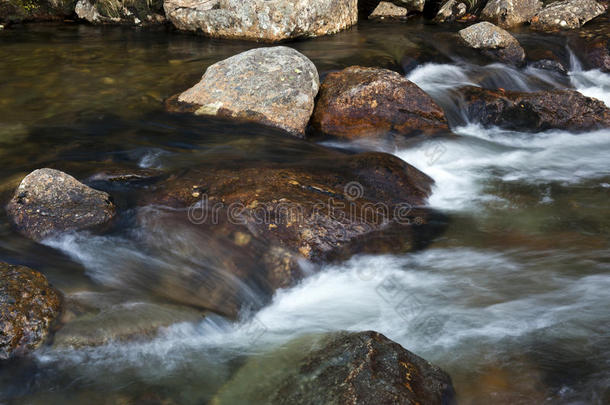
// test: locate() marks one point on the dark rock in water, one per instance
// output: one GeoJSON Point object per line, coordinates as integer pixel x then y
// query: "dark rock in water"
{"type": "Point", "coordinates": [552, 65]}
{"type": "Point", "coordinates": [262, 20]}
{"type": "Point", "coordinates": [569, 14]}
{"type": "Point", "coordinates": [509, 13]}
{"type": "Point", "coordinates": [132, 12]}
{"type": "Point", "coordinates": [28, 307]}
{"type": "Point", "coordinates": [493, 42]}
{"type": "Point", "coordinates": [49, 201]}
{"type": "Point", "coordinates": [250, 225]}
{"type": "Point", "coordinates": [360, 102]}
{"type": "Point", "coordinates": [15, 11]}
{"type": "Point", "coordinates": [538, 111]}
{"type": "Point", "coordinates": [336, 369]}
{"type": "Point", "coordinates": [273, 86]}
{"type": "Point", "coordinates": [597, 55]}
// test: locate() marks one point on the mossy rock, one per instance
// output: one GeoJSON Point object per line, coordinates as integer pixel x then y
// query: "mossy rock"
{"type": "Point", "coordinates": [16, 11]}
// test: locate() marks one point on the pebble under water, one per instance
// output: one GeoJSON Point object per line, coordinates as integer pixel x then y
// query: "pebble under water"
{"type": "Point", "coordinates": [512, 301]}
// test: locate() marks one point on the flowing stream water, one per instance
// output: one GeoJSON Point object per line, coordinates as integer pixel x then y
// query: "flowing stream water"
{"type": "Point", "coordinates": [512, 300]}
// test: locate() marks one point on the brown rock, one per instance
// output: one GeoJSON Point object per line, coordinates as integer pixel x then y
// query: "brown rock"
{"type": "Point", "coordinates": [273, 86]}
{"type": "Point", "coordinates": [388, 10]}
{"type": "Point", "coordinates": [49, 201]}
{"type": "Point", "coordinates": [28, 307]}
{"type": "Point", "coordinates": [450, 11]}
{"type": "Point", "coordinates": [339, 368]}
{"type": "Point", "coordinates": [360, 102]}
{"type": "Point", "coordinates": [537, 111]}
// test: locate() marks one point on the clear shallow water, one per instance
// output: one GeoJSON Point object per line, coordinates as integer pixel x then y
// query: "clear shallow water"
{"type": "Point", "coordinates": [512, 300]}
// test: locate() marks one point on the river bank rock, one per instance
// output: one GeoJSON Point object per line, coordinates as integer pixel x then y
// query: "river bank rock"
{"type": "Point", "coordinates": [16, 11]}
{"type": "Point", "coordinates": [132, 12]}
{"type": "Point", "coordinates": [273, 86]}
{"type": "Point", "coordinates": [537, 111]}
{"type": "Point", "coordinates": [450, 11]}
{"type": "Point", "coordinates": [262, 20]}
{"type": "Point", "coordinates": [49, 201]}
{"type": "Point", "coordinates": [360, 102]}
{"type": "Point", "coordinates": [509, 13]}
{"type": "Point", "coordinates": [564, 15]}
{"type": "Point", "coordinates": [388, 10]}
{"type": "Point", "coordinates": [339, 368]}
{"type": "Point", "coordinates": [597, 55]}
{"type": "Point", "coordinates": [494, 42]}
{"type": "Point", "coordinates": [28, 308]}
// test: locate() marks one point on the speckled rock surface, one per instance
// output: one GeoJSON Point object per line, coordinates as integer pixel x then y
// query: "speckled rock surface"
{"type": "Point", "coordinates": [49, 201]}
{"type": "Point", "coordinates": [360, 102]}
{"type": "Point", "coordinates": [509, 13]}
{"type": "Point", "coordinates": [28, 307]}
{"type": "Point", "coordinates": [273, 86]}
{"type": "Point", "coordinates": [388, 10]}
{"type": "Point", "coordinates": [336, 369]}
{"type": "Point", "coordinates": [264, 20]}
{"type": "Point", "coordinates": [494, 42]}
{"type": "Point", "coordinates": [537, 111]}
{"type": "Point", "coordinates": [564, 15]}
{"type": "Point", "coordinates": [127, 12]}
{"type": "Point", "coordinates": [451, 10]}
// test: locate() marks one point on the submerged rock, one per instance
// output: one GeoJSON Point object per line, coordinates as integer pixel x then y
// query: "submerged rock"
{"type": "Point", "coordinates": [265, 20]}
{"type": "Point", "coordinates": [568, 14]}
{"type": "Point", "coordinates": [494, 42]}
{"type": "Point", "coordinates": [508, 13]}
{"type": "Point", "coordinates": [273, 86]}
{"type": "Point", "coordinates": [132, 12]}
{"type": "Point", "coordinates": [549, 64]}
{"type": "Point", "coordinates": [28, 308]}
{"type": "Point", "coordinates": [538, 111]}
{"type": "Point", "coordinates": [15, 11]}
{"type": "Point", "coordinates": [339, 368]}
{"type": "Point", "coordinates": [388, 10]}
{"type": "Point", "coordinates": [450, 11]}
{"type": "Point", "coordinates": [49, 201]}
{"type": "Point", "coordinates": [360, 102]}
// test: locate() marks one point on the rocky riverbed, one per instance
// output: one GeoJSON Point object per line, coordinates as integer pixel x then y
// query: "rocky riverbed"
{"type": "Point", "coordinates": [401, 202]}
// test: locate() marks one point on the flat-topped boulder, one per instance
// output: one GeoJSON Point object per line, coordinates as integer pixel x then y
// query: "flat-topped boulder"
{"type": "Point", "coordinates": [29, 306]}
{"type": "Point", "coordinates": [509, 13]}
{"type": "Point", "coordinates": [361, 102]}
{"type": "Point", "coordinates": [493, 42]}
{"type": "Point", "coordinates": [339, 368]}
{"type": "Point", "coordinates": [49, 201]}
{"type": "Point", "coordinates": [566, 15]}
{"type": "Point", "coordinates": [262, 20]}
{"type": "Point", "coordinates": [272, 86]}
{"type": "Point", "coordinates": [537, 111]}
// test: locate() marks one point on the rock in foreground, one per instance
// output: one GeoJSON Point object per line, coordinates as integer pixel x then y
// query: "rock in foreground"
{"type": "Point", "coordinates": [273, 86]}
{"type": "Point", "coordinates": [360, 102]}
{"type": "Point", "coordinates": [264, 20]}
{"type": "Point", "coordinates": [538, 111]}
{"type": "Point", "coordinates": [568, 14]}
{"type": "Point", "coordinates": [28, 307]}
{"type": "Point", "coordinates": [49, 201]}
{"type": "Point", "coordinates": [494, 42]}
{"type": "Point", "coordinates": [509, 13]}
{"type": "Point", "coordinates": [339, 368]}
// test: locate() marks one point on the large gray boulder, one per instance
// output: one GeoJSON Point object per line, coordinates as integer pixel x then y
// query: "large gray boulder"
{"type": "Point", "coordinates": [128, 12]}
{"type": "Point", "coordinates": [28, 309]}
{"type": "Point", "coordinates": [49, 201]}
{"type": "Point", "coordinates": [493, 42]}
{"type": "Point", "coordinates": [339, 368]}
{"type": "Point", "coordinates": [563, 15]}
{"type": "Point", "coordinates": [509, 13]}
{"type": "Point", "coordinates": [262, 20]}
{"type": "Point", "coordinates": [273, 86]}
